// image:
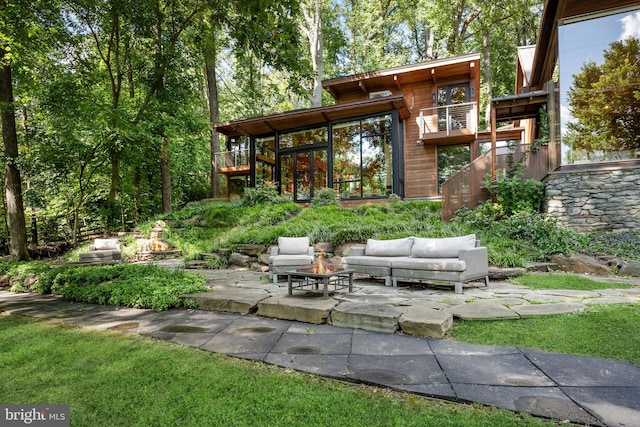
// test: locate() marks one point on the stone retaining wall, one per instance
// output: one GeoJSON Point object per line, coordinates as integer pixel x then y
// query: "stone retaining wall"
{"type": "Point", "coordinates": [599, 197]}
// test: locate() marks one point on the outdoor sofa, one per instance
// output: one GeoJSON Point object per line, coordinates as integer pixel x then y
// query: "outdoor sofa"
{"type": "Point", "coordinates": [103, 251]}
{"type": "Point", "coordinates": [451, 259]}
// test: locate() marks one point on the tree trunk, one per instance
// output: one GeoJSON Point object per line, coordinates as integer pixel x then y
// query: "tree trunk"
{"type": "Point", "coordinates": [15, 209]}
{"type": "Point", "coordinates": [165, 176]}
{"type": "Point", "coordinates": [313, 30]}
{"type": "Point", "coordinates": [214, 116]}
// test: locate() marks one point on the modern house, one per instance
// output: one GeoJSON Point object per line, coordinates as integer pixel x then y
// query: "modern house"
{"type": "Point", "coordinates": [578, 94]}
{"type": "Point", "coordinates": [573, 122]}
{"type": "Point", "coordinates": [401, 130]}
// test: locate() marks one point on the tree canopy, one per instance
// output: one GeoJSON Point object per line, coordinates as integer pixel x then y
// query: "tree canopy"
{"type": "Point", "coordinates": [113, 99]}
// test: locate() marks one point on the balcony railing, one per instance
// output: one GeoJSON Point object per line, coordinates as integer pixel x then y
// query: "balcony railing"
{"type": "Point", "coordinates": [232, 161]}
{"type": "Point", "coordinates": [447, 119]}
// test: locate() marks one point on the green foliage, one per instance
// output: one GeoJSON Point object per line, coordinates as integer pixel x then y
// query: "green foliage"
{"type": "Point", "coordinates": [516, 239]}
{"type": "Point", "coordinates": [516, 194]}
{"type": "Point", "coordinates": [128, 285]}
{"type": "Point", "coordinates": [625, 245]}
{"type": "Point", "coordinates": [215, 262]}
{"type": "Point", "coordinates": [324, 197]}
{"type": "Point", "coordinates": [21, 272]}
{"type": "Point", "coordinates": [261, 194]}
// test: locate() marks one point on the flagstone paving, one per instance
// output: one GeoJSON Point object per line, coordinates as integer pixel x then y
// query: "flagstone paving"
{"type": "Point", "coordinates": [411, 308]}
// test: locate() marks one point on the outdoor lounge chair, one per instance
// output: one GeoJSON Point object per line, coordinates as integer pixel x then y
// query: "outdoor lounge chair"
{"type": "Point", "coordinates": [290, 254]}
{"type": "Point", "coordinates": [102, 251]}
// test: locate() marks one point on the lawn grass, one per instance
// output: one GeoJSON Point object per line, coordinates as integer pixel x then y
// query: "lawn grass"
{"type": "Point", "coordinates": [114, 379]}
{"type": "Point", "coordinates": [565, 281]}
{"type": "Point", "coordinates": [600, 331]}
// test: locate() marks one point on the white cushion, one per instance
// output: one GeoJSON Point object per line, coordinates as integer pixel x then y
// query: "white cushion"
{"type": "Point", "coordinates": [430, 264]}
{"type": "Point", "coordinates": [447, 247]}
{"type": "Point", "coordinates": [293, 245]}
{"type": "Point", "coordinates": [101, 244]}
{"type": "Point", "coordinates": [393, 247]}
{"type": "Point", "coordinates": [292, 260]}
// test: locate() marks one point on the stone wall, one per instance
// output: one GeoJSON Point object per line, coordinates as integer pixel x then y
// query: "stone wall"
{"type": "Point", "coordinates": [597, 197]}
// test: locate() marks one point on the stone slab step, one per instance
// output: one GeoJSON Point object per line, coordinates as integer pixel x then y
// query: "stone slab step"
{"type": "Point", "coordinates": [371, 317]}
{"type": "Point", "coordinates": [309, 310]}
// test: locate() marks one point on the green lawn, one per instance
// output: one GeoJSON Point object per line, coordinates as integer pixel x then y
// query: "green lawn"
{"type": "Point", "coordinates": [566, 281]}
{"type": "Point", "coordinates": [601, 331]}
{"type": "Point", "coordinates": [114, 379]}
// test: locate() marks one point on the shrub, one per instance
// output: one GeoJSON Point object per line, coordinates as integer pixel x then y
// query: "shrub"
{"type": "Point", "coordinates": [262, 194]}
{"type": "Point", "coordinates": [624, 245]}
{"type": "Point", "coordinates": [129, 285]}
{"type": "Point", "coordinates": [324, 197]}
{"type": "Point", "coordinates": [516, 194]}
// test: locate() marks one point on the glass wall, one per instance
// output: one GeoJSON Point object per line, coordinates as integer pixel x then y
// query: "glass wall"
{"type": "Point", "coordinates": [303, 137]}
{"type": "Point", "coordinates": [362, 157]}
{"type": "Point", "coordinates": [451, 158]}
{"type": "Point", "coordinates": [265, 160]}
{"type": "Point", "coordinates": [599, 71]}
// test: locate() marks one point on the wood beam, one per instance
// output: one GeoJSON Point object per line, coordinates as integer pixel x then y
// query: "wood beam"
{"type": "Point", "coordinates": [397, 82]}
{"type": "Point", "coordinates": [267, 124]}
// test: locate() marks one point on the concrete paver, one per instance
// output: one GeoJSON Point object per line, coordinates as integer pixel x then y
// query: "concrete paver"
{"type": "Point", "coordinates": [580, 389]}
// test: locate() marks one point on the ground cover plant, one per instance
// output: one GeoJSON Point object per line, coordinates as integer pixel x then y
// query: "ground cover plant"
{"type": "Point", "coordinates": [512, 239]}
{"type": "Point", "coordinates": [109, 378]}
{"type": "Point", "coordinates": [587, 333]}
{"type": "Point", "coordinates": [138, 286]}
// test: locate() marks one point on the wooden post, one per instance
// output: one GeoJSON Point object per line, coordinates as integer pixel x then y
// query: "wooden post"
{"type": "Point", "coordinates": [493, 141]}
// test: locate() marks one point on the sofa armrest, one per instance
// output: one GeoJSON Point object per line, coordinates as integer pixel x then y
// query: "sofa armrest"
{"type": "Point", "coordinates": [311, 251]}
{"type": "Point", "coordinates": [92, 248]}
{"type": "Point", "coordinates": [476, 259]}
{"type": "Point", "coordinates": [273, 251]}
{"type": "Point", "coordinates": [356, 251]}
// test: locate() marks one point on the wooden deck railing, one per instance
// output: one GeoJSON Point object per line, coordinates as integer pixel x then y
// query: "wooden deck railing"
{"type": "Point", "coordinates": [448, 118]}
{"type": "Point", "coordinates": [466, 189]}
{"type": "Point", "coordinates": [230, 161]}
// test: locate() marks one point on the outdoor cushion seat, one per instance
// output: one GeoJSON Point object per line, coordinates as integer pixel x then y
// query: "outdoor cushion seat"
{"type": "Point", "coordinates": [102, 250]}
{"type": "Point", "coordinates": [435, 264]}
{"type": "Point", "coordinates": [290, 254]}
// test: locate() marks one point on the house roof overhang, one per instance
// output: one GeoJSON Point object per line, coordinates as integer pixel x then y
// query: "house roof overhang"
{"type": "Point", "coordinates": [313, 116]}
{"type": "Point", "coordinates": [519, 107]}
{"type": "Point", "coordinates": [464, 65]}
{"type": "Point", "coordinates": [554, 12]}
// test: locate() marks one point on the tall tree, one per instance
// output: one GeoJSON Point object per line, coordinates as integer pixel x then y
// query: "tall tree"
{"type": "Point", "coordinates": [13, 184]}
{"type": "Point", "coordinates": [23, 28]}
{"type": "Point", "coordinates": [311, 27]}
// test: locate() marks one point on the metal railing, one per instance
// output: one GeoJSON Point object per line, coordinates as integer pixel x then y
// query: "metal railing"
{"type": "Point", "coordinates": [466, 189]}
{"type": "Point", "coordinates": [233, 159]}
{"type": "Point", "coordinates": [448, 118]}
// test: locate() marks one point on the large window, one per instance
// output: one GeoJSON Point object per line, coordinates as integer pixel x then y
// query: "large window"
{"type": "Point", "coordinates": [451, 158]}
{"type": "Point", "coordinates": [362, 158]}
{"type": "Point", "coordinates": [303, 137]}
{"type": "Point", "coordinates": [265, 160]}
{"type": "Point", "coordinates": [599, 64]}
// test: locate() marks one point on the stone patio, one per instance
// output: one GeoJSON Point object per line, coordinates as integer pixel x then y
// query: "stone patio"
{"type": "Point", "coordinates": [411, 309]}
